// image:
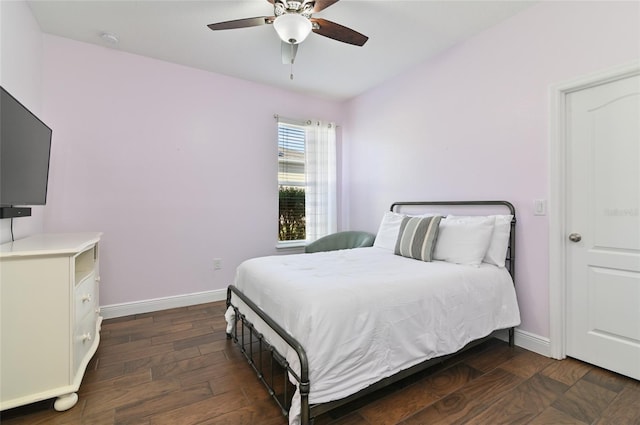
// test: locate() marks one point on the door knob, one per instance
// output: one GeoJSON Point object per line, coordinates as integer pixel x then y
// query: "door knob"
{"type": "Point", "coordinates": [575, 237]}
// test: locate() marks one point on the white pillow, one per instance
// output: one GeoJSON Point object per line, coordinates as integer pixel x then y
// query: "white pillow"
{"type": "Point", "coordinates": [388, 231]}
{"type": "Point", "coordinates": [464, 241]}
{"type": "Point", "coordinates": [390, 228]}
{"type": "Point", "coordinates": [497, 250]}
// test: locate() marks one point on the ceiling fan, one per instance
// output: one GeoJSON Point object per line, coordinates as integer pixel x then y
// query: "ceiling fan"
{"type": "Point", "coordinates": [293, 22]}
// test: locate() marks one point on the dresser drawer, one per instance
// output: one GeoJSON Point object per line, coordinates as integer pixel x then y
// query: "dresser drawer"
{"type": "Point", "coordinates": [85, 299]}
{"type": "Point", "coordinates": [85, 335]}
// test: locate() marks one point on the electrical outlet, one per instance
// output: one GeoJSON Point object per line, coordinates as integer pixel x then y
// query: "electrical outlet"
{"type": "Point", "coordinates": [217, 263]}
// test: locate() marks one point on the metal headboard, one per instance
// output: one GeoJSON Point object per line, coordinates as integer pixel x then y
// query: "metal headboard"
{"type": "Point", "coordinates": [511, 249]}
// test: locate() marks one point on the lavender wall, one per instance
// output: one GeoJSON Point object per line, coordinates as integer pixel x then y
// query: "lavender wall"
{"type": "Point", "coordinates": [21, 75]}
{"type": "Point", "coordinates": [176, 166]}
{"type": "Point", "coordinates": [473, 123]}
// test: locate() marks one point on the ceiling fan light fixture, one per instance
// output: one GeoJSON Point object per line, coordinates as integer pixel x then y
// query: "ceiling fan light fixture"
{"type": "Point", "coordinates": [292, 28]}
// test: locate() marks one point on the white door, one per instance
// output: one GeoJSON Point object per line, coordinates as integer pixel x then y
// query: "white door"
{"type": "Point", "coordinates": [603, 225]}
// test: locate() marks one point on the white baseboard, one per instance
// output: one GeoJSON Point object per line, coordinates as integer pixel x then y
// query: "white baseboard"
{"type": "Point", "coordinates": [532, 342]}
{"type": "Point", "coordinates": [156, 304]}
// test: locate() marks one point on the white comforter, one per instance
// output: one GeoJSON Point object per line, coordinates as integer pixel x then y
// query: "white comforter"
{"type": "Point", "coordinates": [364, 314]}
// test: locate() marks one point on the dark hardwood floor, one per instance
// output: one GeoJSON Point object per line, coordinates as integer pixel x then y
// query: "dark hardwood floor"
{"type": "Point", "coordinates": [177, 367]}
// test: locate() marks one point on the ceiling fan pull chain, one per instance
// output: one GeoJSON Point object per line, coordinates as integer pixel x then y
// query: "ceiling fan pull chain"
{"type": "Point", "coordinates": [292, 59]}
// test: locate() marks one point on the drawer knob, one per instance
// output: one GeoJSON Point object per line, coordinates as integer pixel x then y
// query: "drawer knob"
{"type": "Point", "coordinates": [86, 337]}
{"type": "Point", "coordinates": [97, 310]}
{"type": "Point", "coordinates": [86, 298]}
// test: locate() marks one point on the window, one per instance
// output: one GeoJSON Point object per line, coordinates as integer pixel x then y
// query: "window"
{"type": "Point", "coordinates": [306, 181]}
{"type": "Point", "coordinates": [291, 183]}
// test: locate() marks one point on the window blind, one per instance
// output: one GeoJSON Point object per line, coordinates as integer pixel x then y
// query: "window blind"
{"type": "Point", "coordinates": [291, 182]}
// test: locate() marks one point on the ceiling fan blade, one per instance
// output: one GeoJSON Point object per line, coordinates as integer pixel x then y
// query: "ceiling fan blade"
{"type": "Point", "coordinates": [242, 23]}
{"type": "Point", "coordinates": [288, 52]}
{"type": "Point", "coordinates": [323, 4]}
{"type": "Point", "coordinates": [338, 32]}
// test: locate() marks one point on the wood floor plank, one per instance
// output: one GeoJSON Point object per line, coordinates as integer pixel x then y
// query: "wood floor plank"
{"type": "Point", "coordinates": [522, 404]}
{"type": "Point", "coordinates": [585, 401]}
{"type": "Point", "coordinates": [161, 359]}
{"type": "Point", "coordinates": [143, 409]}
{"type": "Point", "coordinates": [196, 413]}
{"type": "Point", "coordinates": [398, 405]}
{"type": "Point", "coordinates": [187, 365]}
{"type": "Point", "coordinates": [211, 346]}
{"type": "Point", "coordinates": [607, 379]}
{"type": "Point", "coordinates": [450, 379]}
{"type": "Point", "coordinates": [490, 386]}
{"type": "Point", "coordinates": [151, 330]}
{"type": "Point", "coordinates": [536, 393]}
{"type": "Point", "coordinates": [212, 372]}
{"type": "Point", "coordinates": [245, 380]}
{"type": "Point", "coordinates": [349, 419]}
{"type": "Point", "coordinates": [174, 336]}
{"type": "Point", "coordinates": [552, 416]}
{"type": "Point", "coordinates": [123, 396]}
{"type": "Point", "coordinates": [624, 409]}
{"type": "Point", "coordinates": [107, 350]}
{"type": "Point", "coordinates": [568, 371]}
{"type": "Point", "coordinates": [131, 351]}
{"type": "Point", "coordinates": [526, 364]}
{"type": "Point", "coordinates": [106, 373]}
{"type": "Point", "coordinates": [449, 410]}
{"type": "Point", "coordinates": [128, 380]}
{"type": "Point", "coordinates": [107, 340]}
{"type": "Point", "coordinates": [198, 340]}
{"type": "Point", "coordinates": [488, 360]}
{"type": "Point", "coordinates": [263, 413]}
{"type": "Point", "coordinates": [126, 323]}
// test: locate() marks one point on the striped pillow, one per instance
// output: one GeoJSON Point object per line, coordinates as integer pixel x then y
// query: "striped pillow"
{"type": "Point", "coordinates": [417, 237]}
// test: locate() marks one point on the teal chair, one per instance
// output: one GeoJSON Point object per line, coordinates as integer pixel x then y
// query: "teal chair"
{"type": "Point", "coordinates": [341, 240]}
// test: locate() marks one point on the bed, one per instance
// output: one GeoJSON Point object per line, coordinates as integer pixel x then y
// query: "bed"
{"type": "Point", "coordinates": [325, 328]}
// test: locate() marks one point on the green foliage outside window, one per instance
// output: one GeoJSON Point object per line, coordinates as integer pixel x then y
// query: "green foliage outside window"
{"type": "Point", "coordinates": [292, 210]}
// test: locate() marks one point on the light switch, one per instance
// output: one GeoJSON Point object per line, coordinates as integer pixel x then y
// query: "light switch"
{"type": "Point", "coordinates": [539, 207]}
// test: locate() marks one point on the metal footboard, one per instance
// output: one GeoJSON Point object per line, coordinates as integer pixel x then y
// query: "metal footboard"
{"type": "Point", "coordinates": [254, 347]}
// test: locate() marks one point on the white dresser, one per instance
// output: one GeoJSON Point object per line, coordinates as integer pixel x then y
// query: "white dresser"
{"type": "Point", "coordinates": [49, 317]}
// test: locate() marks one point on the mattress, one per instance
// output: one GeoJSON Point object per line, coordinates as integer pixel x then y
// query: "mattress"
{"type": "Point", "coordinates": [364, 314]}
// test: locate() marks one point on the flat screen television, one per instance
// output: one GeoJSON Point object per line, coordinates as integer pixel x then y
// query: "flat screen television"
{"type": "Point", "coordinates": [25, 147]}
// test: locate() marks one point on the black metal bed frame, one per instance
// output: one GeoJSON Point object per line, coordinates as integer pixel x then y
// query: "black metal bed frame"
{"type": "Point", "coordinates": [272, 368]}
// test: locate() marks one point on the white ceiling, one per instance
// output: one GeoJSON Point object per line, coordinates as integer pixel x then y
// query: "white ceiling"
{"type": "Point", "coordinates": [401, 34]}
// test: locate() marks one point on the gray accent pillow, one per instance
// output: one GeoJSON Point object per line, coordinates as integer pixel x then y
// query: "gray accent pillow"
{"type": "Point", "coordinates": [417, 237]}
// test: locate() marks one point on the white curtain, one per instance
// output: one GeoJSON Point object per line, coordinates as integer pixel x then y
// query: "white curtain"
{"type": "Point", "coordinates": [320, 169]}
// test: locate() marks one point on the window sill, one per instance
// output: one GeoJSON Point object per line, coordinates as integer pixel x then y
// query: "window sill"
{"type": "Point", "coordinates": [293, 245]}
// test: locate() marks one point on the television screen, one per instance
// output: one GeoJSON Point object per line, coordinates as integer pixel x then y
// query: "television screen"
{"type": "Point", "coordinates": [25, 145]}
